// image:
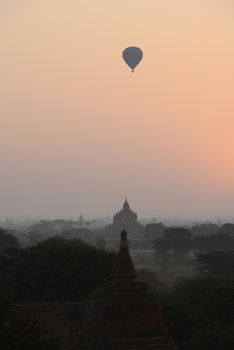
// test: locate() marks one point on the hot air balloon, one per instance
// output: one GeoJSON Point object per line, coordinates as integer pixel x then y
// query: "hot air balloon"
{"type": "Point", "coordinates": [132, 56]}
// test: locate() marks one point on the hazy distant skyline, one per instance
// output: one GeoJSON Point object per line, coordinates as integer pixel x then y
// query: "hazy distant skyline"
{"type": "Point", "coordinates": [79, 131]}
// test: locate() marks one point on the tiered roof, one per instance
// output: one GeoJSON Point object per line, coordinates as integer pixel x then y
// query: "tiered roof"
{"type": "Point", "coordinates": [123, 269]}
{"type": "Point", "coordinates": [124, 315]}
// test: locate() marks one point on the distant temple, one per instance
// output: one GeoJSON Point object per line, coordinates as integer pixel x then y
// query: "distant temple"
{"type": "Point", "coordinates": [81, 221]}
{"type": "Point", "coordinates": [125, 219]}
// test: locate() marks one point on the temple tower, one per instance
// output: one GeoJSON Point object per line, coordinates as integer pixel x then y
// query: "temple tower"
{"type": "Point", "coordinates": [123, 314]}
{"type": "Point", "coordinates": [125, 219]}
{"type": "Point", "coordinates": [81, 221]}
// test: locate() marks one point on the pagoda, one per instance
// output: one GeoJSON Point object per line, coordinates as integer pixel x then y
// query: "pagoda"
{"type": "Point", "coordinates": [81, 221]}
{"type": "Point", "coordinates": [125, 219]}
{"type": "Point", "coordinates": [123, 314]}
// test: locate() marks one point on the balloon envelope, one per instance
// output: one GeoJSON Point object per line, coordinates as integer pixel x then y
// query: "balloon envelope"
{"type": "Point", "coordinates": [132, 56]}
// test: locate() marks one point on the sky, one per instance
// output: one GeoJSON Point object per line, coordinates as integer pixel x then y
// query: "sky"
{"type": "Point", "coordinates": [80, 132]}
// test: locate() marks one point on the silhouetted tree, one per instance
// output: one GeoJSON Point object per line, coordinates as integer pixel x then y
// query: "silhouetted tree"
{"type": "Point", "coordinates": [228, 229]}
{"type": "Point", "coordinates": [194, 304]}
{"type": "Point", "coordinates": [218, 337]}
{"type": "Point", "coordinates": [79, 233]}
{"type": "Point", "coordinates": [177, 233]}
{"type": "Point", "coordinates": [57, 270]}
{"type": "Point", "coordinates": [150, 278]}
{"type": "Point", "coordinates": [176, 243]}
{"type": "Point", "coordinates": [153, 231]}
{"type": "Point", "coordinates": [218, 242]}
{"type": "Point", "coordinates": [8, 240]}
{"type": "Point", "coordinates": [204, 229]}
{"type": "Point", "coordinates": [101, 243]}
{"type": "Point", "coordinates": [219, 264]}
{"type": "Point", "coordinates": [44, 227]}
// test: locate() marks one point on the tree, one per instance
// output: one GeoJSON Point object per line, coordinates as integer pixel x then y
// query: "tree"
{"type": "Point", "coordinates": [101, 243]}
{"type": "Point", "coordinates": [7, 240]}
{"type": "Point", "coordinates": [193, 304]}
{"type": "Point", "coordinates": [57, 270]}
{"type": "Point", "coordinates": [177, 233]}
{"type": "Point", "coordinates": [216, 263]}
{"type": "Point", "coordinates": [44, 227]}
{"type": "Point", "coordinates": [218, 242]}
{"type": "Point", "coordinates": [149, 277]}
{"type": "Point", "coordinates": [79, 233]}
{"type": "Point", "coordinates": [228, 229]}
{"type": "Point", "coordinates": [153, 231]}
{"type": "Point", "coordinates": [204, 229]}
{"type": "Point", "coordinates": [175, 244]}
{"type": "Point", "coordinates": [218, 337]}
{"type": "Point", "coordinates": [162, 248]}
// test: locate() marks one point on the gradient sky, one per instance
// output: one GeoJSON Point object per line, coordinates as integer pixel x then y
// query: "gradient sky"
{"type": "Point", "coordinates": [79, 131]}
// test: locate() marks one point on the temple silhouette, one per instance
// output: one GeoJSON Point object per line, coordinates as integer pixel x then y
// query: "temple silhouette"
{"type": "Point", "coordinates": [122, 314]}
{"type": "Point", "coordinates": [125, 219]}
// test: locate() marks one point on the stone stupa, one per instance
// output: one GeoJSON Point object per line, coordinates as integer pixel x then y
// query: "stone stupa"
{"type": "Point", "coordinates": [123, 314]}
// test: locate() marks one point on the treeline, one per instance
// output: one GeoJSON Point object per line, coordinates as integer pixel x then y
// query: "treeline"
{"type": "Point", "coordinates": [178, 246]}
{"type": "Point", "coordinates": [200, 312]}
{"type": "Point", "coordinates": [43, 230]}
{"type": "Point", "coordinates": [156, 230]}
{"type": "Point", "coordinates": [56, 270]}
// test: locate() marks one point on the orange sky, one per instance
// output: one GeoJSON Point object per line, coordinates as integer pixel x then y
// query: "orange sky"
{"type": "Point", "coordinates": [80, 131]}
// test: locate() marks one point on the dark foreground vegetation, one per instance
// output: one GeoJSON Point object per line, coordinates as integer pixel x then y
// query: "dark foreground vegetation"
{"type": "Point", "coordinates": [199, 310]}
{"type": "Point", "coordinates": [17, 334]}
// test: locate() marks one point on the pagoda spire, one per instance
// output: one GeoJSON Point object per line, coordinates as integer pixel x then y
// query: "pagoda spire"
{"type": "Point", "coordinates": [126, 205]}
{"type": "Point", "coordinates": [123, 270]}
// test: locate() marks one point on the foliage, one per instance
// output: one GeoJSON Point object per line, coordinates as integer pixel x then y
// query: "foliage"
{"type": "Point", "coordinates": [204, 229]}
{"type": "Point", "coordinates": [175, 244]}
{"type": "Point", "coordinates": [196, 303]}
{"type": "Point", "coordinates": [153, 231]}
{"type": "Point", "coordinates": [79, 233]}
{"type": "Point", "coordinates": [216, 263]}
{"type": "Point", "coordinates": [150, 278]}
{"type": "Point", "coordinates": [218, 242]}
{"type": "Point", "coordinates": [17, 334]}
{"type": "Point", "coordinates": [57, 270]}
{"type": "Point", "coordinates": [178, 242]}
{"type": "Point", "coordinates": [227, 228]}
{"type": "Point", "coordinates": [7, 240]}
{"type": "Point", "coordinates": [101, 243]}
{"type": "Point", "coordinates": [219, 337]}
{"type": "Point", "coordinates": [177, 233]}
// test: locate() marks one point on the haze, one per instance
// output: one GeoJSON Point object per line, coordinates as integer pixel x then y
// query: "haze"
{"type": "Point", "coordinates": [79, 131]}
